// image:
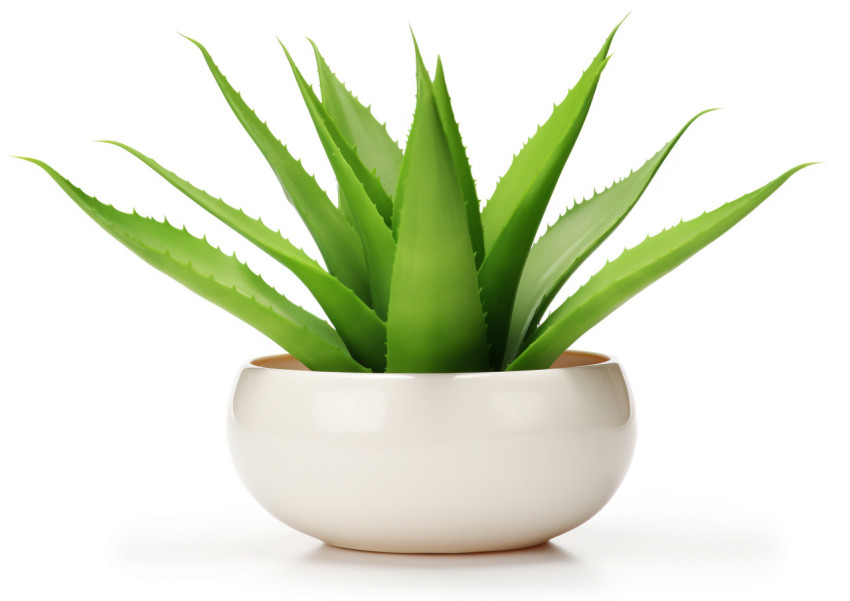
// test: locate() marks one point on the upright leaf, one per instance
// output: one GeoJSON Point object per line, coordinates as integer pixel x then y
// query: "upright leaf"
{"type": "Point", "coordinates": [336, 142]}
{"type": "Point", "coordinates": [334, 235]}
{"type": "Point", "coordinates": [435, 322]}
{"type": "Point", "coordinates": [514, 212]}
{"type": "Point", "coordinates": [378, 151]}
{"type": "Point", "coordinates": [219, 278]}
{"type": "Point", "coordinates": [359, 326]}
{"type": "Point", "coordinates": [536, 168]}
{"type": "Point", "coordinates": [631, 272]}
{"type": "Point", "coordinates": [571, 239]}
{"type": "Point", "coordinates": [461, 162]}
{"type": "Point", "coordinates": [375, 234]}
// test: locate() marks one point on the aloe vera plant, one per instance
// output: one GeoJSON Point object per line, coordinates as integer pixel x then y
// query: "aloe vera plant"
{"type": "Point", "coordinates": [416, 276]}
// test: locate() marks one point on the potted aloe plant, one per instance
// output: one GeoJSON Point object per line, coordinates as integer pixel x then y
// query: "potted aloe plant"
{"type": "Point", "coordinates": [438, 410]}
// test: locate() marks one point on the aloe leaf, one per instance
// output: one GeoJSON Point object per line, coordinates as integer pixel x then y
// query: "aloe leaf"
{"type": "Point", "coordinates": [357, 324]}
{"type": "Point", "coordinates": [535, 169]}
{"type": "Point", "coordinates": [376, 236]}
{"type": "Point", "coordinates": [335, 142]}
{"type": "Point", "coordinates": [220, 278]}
{"type": "Point", "coordinates": [461, 162]}
{"type": "Point", "coordinates": [571, 239]}
{"type": "Point", "coordinates": [435, 322]}
{"type": "Point", "coordinates": [334, 235]}
{"type": "Point", "coordinates": [514, 212]}
{"type": "Point", "coordinates": [378, 151]}
{"type": "Point", "coordinates": [631, 272]}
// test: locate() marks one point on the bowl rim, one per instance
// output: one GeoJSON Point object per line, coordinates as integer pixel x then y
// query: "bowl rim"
{"type": "Point", "coordinates": [285, 363]}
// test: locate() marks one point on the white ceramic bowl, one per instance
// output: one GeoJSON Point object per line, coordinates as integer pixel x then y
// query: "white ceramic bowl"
{"type": "Point", "coordinates": [433, 463]}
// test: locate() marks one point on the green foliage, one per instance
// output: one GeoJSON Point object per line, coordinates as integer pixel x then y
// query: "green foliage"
{"type": "Point", "coordinates": [363, 332]}
{"type": "Point", "coordinates": [417, 278]}
{"type": "Point", "coordinates": [571, 239]}
{"type": "Point", "coordinates": [633, 271]}
{"type": "Point", "coordinates": [436, 322]}
{"type": "Point", "coordinates": [219, 278]}
{"type": "Point", "coordinates": [513, 214]}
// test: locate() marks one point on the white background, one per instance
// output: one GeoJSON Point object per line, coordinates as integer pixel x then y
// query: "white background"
{"type": "Point", "coordinates": [116, 480]}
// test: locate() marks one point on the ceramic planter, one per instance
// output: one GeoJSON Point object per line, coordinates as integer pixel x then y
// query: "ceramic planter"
{"type": "Point", "coordinates": [433, 463]}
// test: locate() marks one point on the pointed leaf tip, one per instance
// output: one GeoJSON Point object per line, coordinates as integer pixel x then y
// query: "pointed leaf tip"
{"type": "Point", "coordinates": [420, 64]}
{"type": "Point", "coordinates": [286, 51]}
{"type": "Point", "coordinates": [193, 40]}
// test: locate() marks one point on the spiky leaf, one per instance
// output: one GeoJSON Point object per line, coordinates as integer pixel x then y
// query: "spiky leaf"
{"type": "Point", "coordinates": [363, 332]}
{"type": "Point", "coordinates": [375, 234]}
{"type": "Point", "coordinates": [571, 239]}
{"type": "Point", "coordinates": [378, 151]}
{"type": "Point", "coordinates": [461, 163]}
{"type": "Point", "coordinates": [219, 278]}
{"type": "Point", "coordinates": [514, 212]}
{"type": "Point", "coordinates": [334, 235]}
{"type": "Point", "coordinates": [535, 169]}
{"type": "Point", "coordinates": [435, 319]}
{"type": "Point", "coordinates": [335, 142]}
{"type": "Point", "coordinates": [631, 272]}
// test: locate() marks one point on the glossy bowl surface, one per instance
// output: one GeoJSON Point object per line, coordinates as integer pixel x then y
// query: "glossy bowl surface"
{"type": "Point", "coordinates": [433, 463]}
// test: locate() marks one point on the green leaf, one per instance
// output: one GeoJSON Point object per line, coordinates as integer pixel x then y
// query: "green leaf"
{"type": "Point", "coordinates": [631, 272]}
{"type": "Point", "coordinates": [571, 239]}
{"type": "Point", "coordinates": [512, 216]}
{"type": "Point", "coordinates": [435, 323]}
{"type": "Point", "coordinates": [461, 162]}
{"type": "Point", "coordinates": [334, 235]}
{"type": "Point", "coordinates": [220, 278]}
{"type": "Point", "coordinates": [375, 234]}
{"type": "Point", "coordinates": [335, 142]}
{"type": "Point", "coordinates": [359, 327]}
{"type": "Point", "coordinates": [378, 151]}
{"type": "Point", "coordinates": [534, 171]}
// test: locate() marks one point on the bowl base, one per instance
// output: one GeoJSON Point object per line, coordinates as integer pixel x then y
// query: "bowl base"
{"type": "Point", "coordinates": [434, 550]}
